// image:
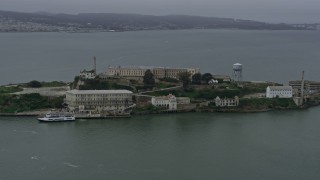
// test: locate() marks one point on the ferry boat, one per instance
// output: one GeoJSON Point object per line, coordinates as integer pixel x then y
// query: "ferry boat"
{"type": "Point", "coordinates": [55, 117]}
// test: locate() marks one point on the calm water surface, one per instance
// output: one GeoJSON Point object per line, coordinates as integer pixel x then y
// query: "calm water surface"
{"type": "Point", "coordinates": [273, 145]}
{"type": "Point", "coordinates": [266, 55]}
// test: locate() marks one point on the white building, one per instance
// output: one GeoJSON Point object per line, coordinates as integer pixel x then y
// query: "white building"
{"type": "Point", "coordinates": [88, 74]}
{"type": "Point", "coordinates": [223, 78]}
{"type": "Point", "coordinates": [279, 91]}
{"type": "Point", "coordinates": [310, 87]}
{"type": "Point", "coordinates": [213, 81]}
{"type": "Point", "coordinates": [183, 100]}
{"type": "Point", "coordinates": [137, 72]}
{"type": "Point", "coordinates": [226, 101]}
{"type": "Point", "coordinates": [169, 102]}
{"type": "Point", "coordinates": [99, 101]}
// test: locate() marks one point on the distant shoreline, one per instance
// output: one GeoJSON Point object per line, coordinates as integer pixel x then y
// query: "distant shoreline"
{"type": "Point", "coordinates": [118, 22]}
{"type": "Point", "coordinates": [144, 30]}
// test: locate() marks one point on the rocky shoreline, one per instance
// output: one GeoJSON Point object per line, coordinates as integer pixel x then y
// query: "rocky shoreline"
{"type": "Point", "coordinates": [139, 113]}
{"type": "Point", "coordinates": [41, 112]}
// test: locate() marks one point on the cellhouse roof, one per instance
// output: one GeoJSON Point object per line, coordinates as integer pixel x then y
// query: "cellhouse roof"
{"type": "Point", "coordinates": [76, 91]}
{"type": "Point", "coordinates": [280, 87]}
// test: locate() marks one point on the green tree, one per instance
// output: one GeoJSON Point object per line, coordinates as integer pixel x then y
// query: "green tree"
{"type": "Point", "coordinates": [196, 78]}
{"type": "Point", "coordinates": [148, 78]}
{"type": "Point", "coordinates": [206, 77]}
{"type": "Point", "coordinates": [184, 78]}
{"type": "Point", "coordinates": [34, 84]}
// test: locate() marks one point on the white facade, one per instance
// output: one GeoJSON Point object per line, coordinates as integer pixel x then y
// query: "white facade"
{"type": "Point", "coordinates": [126, 71]}
{"type": "Point", "coordinates": [87, 74]}
{"type": "Point", "coordinates": [183, 100]}
{"type": "Point", "coordinates": [213, 81]}
{"type": "Point", "coordinates": [226, 101]}
{"type": "Point", "coordinates": [279, 91]}
{"type": "Point", "coordinates": [138, 72]}
{"type": "Point", "coordinates": [223, 78]}
{"type": "Point", "coordinates": [99, 101]}
{"type": "Point", "coordinates": [169, 102]}
{"type": "Point", "coordinates": [310, 87]}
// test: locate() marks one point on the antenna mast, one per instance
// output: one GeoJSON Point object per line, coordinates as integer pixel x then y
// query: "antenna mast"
{"type": "Point", "coordinates": [302, 87]}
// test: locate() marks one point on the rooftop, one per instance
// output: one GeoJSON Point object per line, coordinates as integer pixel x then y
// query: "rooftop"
{"type": "Point", "coordinates": [170, 96]}
{"type": "Point", "coordinates": [87, 71]}
{"type": "Point", "coordinates": [76, 91]}
{"type": "Point", "coordinates": [221, 76]}
{"type": "Point", "coordinates": [145, 67]}
{"type": "Point", "coordinates": [306, 82]}
{"type": "Point", "coordinates": [280, 87]}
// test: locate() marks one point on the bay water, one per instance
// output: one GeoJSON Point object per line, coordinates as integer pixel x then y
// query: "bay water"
{"type": "Point", "coordinates": [273, 145]}
{"type": "Point", "coordinates": [278, 56]}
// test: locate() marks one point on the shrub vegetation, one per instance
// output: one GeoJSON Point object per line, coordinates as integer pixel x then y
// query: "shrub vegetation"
{"type": "Point", "coordinates": [28, 102]}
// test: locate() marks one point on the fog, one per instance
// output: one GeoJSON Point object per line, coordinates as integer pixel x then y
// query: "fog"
{"type": "Point", "coordinates": [288, 11]}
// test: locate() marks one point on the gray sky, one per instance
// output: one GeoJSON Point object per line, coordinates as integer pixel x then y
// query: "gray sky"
{"type": "Point", "coordinates": [290, 11]}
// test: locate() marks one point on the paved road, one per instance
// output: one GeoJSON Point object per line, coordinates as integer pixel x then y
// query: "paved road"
{"type": "Point", "coordinates": [164, 89]}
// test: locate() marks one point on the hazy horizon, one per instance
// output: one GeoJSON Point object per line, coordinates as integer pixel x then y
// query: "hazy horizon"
{"type": "Point", "coordinates": [275, 11]}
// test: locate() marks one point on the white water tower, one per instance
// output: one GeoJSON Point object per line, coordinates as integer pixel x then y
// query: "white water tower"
{"type": "Point", "coordinates": [237, 72]}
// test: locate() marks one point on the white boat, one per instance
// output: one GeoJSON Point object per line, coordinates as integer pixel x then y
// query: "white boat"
{"type": "Point", "coordinates": [55, 117]}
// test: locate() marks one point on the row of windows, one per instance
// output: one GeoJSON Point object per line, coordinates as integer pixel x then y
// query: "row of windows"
{"type": "Point", "coordinates": [131, 72]}
{"type": "Point", "coordinates": [281, 93]}
{"type": "Point", "coordinates": [169, 72]}
{"type": "Point", "coordinates": [227, 103]}
{"type": "Point", "coordinates": [164, 102]}
{"type": "Point", "coordinates": [101, 99]}
{"type": "Point", "coordinates": [101, 95]}
{"type": "Point", "coordinates": [162, 105]}
{"type": "Point", "coordinates": [280, 90]}
{"type": "Point", "coordinates": [104, 107]}
{"type": "Point", "coordinates": [101, 102]}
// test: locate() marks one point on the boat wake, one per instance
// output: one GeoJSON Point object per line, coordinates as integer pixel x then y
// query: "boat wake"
{"type": "Point", "coordinates": [70, 165]}
{"type": "Point", "coordinates": [34, 158]}
{"type": "Point", "coordinates": [32, 132]}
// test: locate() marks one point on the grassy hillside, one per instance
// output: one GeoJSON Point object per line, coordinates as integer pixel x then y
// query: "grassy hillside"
{"type": "Point", "coordinates": [27, 102]}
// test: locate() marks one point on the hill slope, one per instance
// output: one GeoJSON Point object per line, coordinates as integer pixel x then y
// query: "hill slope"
{"type": "Point", "coordinates": [17, 21]}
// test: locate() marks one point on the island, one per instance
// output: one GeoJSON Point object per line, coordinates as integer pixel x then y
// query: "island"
{"type": "Point", "coordinates": [140, 90]}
